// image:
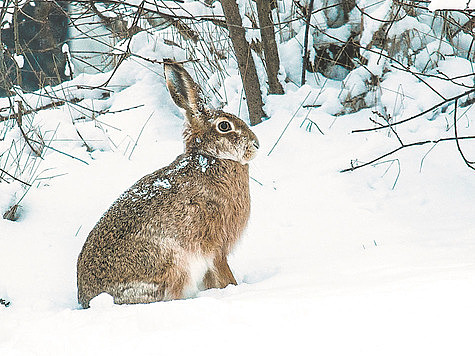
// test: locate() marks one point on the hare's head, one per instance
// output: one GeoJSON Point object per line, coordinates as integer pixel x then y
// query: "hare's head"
{"type": "Point", "coordinates": [214, 132]}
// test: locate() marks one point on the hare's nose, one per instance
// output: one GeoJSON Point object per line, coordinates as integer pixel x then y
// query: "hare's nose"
{"type": "Point", "coordinates": [256, 144]}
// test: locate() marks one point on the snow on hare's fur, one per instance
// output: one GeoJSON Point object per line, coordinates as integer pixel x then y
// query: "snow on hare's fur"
{"type": "Point", "coordinates": [168, 236]}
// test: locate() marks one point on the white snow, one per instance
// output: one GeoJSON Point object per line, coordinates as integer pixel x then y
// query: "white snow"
{"type": "Point", "coordinates": [452, 4]}
{"type": "Point", "coordinates": [380, 261]}
{"type": "Point", "coordinates": [165, 183]}
{"type": "Point", "coordinates": [103, 300]}
{"type": "Point", "coordinates": [203, 162]}
{"type": "Point", "coordinates": [19, 59]}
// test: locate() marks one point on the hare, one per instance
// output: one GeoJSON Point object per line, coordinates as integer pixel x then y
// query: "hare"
{"type": "Point", "coordinates": [168, 236]}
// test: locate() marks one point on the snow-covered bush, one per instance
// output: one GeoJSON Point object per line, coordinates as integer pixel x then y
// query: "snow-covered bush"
{"type": "Point", "coordinates": [361, 54]}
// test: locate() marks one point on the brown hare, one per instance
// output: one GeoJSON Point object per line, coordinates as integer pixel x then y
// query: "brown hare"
{"type": "Point", "coordinates": [169, 235]}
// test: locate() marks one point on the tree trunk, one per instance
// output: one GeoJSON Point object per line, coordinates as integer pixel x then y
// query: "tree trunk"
{"type": "Point", "coordinates": [271, 54]}
{"type": "Point", "coordinates": [305, 41]}
{"type": "Point", "coordinates": [246, 64]}
{"type": "Point", "coordinates": [37, 32]}
{"type": "Point", "coordinates": [3, 72]}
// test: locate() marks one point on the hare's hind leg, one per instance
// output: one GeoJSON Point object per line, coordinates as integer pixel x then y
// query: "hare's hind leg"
{"type": "Point", "coordinates": [220, 275]}
{"type": "Point", "coordinates": [137, 292]}
{"type": "Point", "coordinates": [168, 285]}
{"type": "Point", "coordinates": [225, 276]}
{"type": "Point", "coordinates": [143, 292]}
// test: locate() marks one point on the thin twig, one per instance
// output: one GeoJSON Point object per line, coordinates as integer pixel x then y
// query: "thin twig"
{"type": "Point", "coordinates": [63, 153]}
{"type": "Point", "coordinates": [14, 178]}
{"type": "Point", "coordinates": [140, 134]}
{"type": "Point", "coordinates": [39, 108]}
{"type": "Point", "coordinates": [469, 164]}
{"type": "Point", "coordinates": [388, 120]}
{"type": "Point", "coordinates": [286, 126]}
{"type": "Point", "coordinates": [26, 138]}
{"type": "Point", "coordinates": [127, 50]}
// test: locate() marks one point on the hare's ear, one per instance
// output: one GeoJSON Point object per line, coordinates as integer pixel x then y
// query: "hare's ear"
{"type": "Point", "coordinates": [184, 91]}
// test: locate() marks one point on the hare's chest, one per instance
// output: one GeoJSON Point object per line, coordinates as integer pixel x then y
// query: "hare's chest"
{"type": "Point", "coordinates": [197, 266]}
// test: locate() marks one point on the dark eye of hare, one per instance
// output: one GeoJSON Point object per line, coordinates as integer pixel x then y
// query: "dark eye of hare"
{"type": "Point", "coordinates": [224, 126]}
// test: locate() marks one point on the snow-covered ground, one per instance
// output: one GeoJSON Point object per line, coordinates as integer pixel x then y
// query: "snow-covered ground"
{"type": "Point", "coordinates": [452, 4]}
{"type": "Point", "coordinates": [380, 261]}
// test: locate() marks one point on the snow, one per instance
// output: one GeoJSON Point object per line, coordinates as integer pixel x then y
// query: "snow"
{"type": "Point", "coordinates": [103, 300]}
{"type": "Point", "coordinates": [378, 10]}
{"type": "Point", "coordinates": [203, 162]}
{"type": "Point", "coordinates": [165, 183]}
{"type": "Point", "coordinates": [19, 59]}
{"type": "Point", "coordinates": [453, 4]}
{"type": "Point", "coordinates": [379, 261]}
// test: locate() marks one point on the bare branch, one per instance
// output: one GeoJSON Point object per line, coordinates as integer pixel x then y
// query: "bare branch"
{"type": "Point", "coordinates": [417, 115]}
{"type": "Point", "coordinates": [420, 143]}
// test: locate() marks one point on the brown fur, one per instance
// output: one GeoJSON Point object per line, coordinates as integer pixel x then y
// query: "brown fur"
{"type": "Point", "coordinates": [182, 218]}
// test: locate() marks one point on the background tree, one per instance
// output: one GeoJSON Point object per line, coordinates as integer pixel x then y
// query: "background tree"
{"type": "Point", "coordinates": [246, 64]}
{"type": "Point", "coordinates": [269, 45]}
{"type": "Point", "coordinates": [33, 57]}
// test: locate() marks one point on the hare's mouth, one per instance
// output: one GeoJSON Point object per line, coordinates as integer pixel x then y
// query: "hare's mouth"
{"type": "Point", "coordinates": [250, 153]}
{"type": "Point", "coordinates": [242, 155]}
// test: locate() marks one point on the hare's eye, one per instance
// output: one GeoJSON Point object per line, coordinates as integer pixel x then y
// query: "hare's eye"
{"type": "Point", "coordinates": [224, 126]}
